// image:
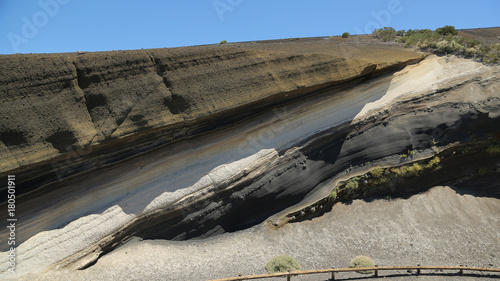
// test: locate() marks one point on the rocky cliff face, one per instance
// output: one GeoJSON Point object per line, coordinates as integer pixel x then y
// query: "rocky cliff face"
{"type": "Point", "coordinates": [68, 113]}
{"type": "Point", "coordinates": [223, 137]}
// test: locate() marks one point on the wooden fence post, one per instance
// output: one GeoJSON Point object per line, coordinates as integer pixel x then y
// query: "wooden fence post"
{"type": "Point", "coordinates": [461, 269]}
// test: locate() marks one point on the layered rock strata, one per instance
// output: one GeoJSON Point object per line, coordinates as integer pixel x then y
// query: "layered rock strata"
{"type": "Point", "coordinates": [68, 113]}
{"type": "Point", "coordinates": [307, 137]}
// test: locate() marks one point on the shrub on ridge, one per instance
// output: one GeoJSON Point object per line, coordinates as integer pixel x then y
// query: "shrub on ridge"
{"type": "Point", "coordinates": [282, 264]}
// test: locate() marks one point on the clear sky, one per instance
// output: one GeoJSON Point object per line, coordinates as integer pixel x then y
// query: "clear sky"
{"type": "Point", "coordinates": [49, 26]}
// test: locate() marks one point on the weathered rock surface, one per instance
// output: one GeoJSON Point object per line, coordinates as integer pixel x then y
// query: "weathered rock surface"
{"type": "Point", "coordinates": [67, 113]}
{"type": "Point", "coordinates": [323, 117]}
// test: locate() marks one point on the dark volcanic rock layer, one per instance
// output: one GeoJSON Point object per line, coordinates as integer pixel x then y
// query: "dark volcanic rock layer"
{"type": "Point", "coordinates": [412, 125]}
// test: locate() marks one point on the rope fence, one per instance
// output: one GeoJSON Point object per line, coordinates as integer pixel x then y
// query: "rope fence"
{"type": "Point", "coordinates": [375, 269]}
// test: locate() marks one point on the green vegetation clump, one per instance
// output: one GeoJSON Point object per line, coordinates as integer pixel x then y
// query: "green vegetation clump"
{"type": "Point", "coordinates": [447, 29]}
{"type": "Point", "coordinates": [420, 38]}
{"type": "Point", "coordinates": [433, 164]}
{"type": "Point", "coordinates": [467, 42]}
{"type": "Point", "coordinates": [352, 183]}
{"type": "Point", "coordinates": [222, 42]}
{"type": "Point", "coordinates": [282, 264]}
{"type": "Point", "coordinates": [444, 40]}
{"type": "Point", "coordinates": [415, 169]}
{"type": "Point", "coordinates": [379, 178]}
{"type": "Point", "coordinates": [481, 171]}
{"type": "Point", "coordinates": [385, 34]}
{"type": "Point", "coordinates": [404, 171]}
{"type": "Point", "coordinates": [377, 172]}
{"type": "Point", "coordinates": [362, 261]}
{"type": "Point", "coordinates": [400, 172]}
{"type": "Point", "coordinates": [346, 35]}
{"type": "Point", "coordinates": [492, 149]}
{"type": "Point", "coordinates": [333, 195]}
{"type": "Point", "coordinates": [445, 46]}
{"type": "Point", "coordinates": [491, 53]}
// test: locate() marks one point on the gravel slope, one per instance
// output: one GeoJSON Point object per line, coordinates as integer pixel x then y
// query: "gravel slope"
{"type": "Point", "coordinates": [438, 227]}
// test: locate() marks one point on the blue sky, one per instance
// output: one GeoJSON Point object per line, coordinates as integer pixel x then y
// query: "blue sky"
{"type": "Point", "coordinates": [49, 26]}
